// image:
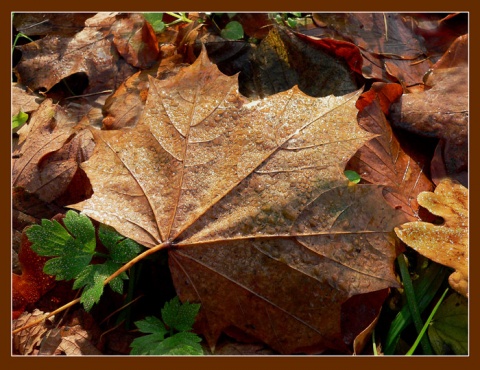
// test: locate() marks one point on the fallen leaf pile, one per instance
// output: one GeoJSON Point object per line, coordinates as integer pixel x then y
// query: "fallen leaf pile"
{"type": "Point", "coordinates": [240, 175]}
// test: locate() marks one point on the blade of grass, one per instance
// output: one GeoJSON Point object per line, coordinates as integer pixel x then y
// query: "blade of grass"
{"type": "Point", "coordinates": [426, 288]}
{"type": "Point", "coordinates": [374, 343]}
{"type": "Point", "coordinates": [424, 329]}
{"type": "Point", "coordinates": [412, 303]}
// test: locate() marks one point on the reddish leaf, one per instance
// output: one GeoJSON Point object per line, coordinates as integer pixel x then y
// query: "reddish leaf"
{"type": "Point", "coordinates": [135, 40]}
{"type": "Point", "coordinates": [383, 161]}
{"type": "Point", "coordinates": [340, 49]}
{"type": "Point", "coordinates": [251, 199]}
{"type": "Point", "coordinates": [385, 93]}
{"type": "Point", "coordinates": [439, 30]}
{"type": "Point", "coordinates": [32, 283]}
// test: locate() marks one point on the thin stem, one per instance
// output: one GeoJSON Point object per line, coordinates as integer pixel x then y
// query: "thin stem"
{"type": "Point", "coordinates": [427, 323]}
{"type": "Point", "coordinates": [110, 278]}
{"type": "Point", "coordinates": [36, 322]}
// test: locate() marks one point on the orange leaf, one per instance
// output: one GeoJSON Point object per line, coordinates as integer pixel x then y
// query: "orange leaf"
{"type": "Point", "coordinates": [446, 244]}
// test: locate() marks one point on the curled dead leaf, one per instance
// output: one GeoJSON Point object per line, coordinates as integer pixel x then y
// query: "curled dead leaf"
{"type": "Point", "coordinates": [446, 244]}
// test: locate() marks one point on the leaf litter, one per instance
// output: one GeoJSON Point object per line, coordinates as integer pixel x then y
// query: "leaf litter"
{"type": "Point", "coordinates": [250, 200]}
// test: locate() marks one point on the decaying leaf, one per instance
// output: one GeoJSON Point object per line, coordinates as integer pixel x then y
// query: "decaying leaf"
{"type": "Point", "coordinates": [47, 160]}
{"type": "Point", "coordinates": [442, 112]}
{"type": "Point", "coordinates": [47, 61]}
{"type": "Point", "coordinates": [25, 341]}
{"type": "Point", "coordinates": [283, 60]}
{"type": "Point", "coordinates": [45, 340]}
{"type": "Point", "coordinates": [32, 283]}
{"type": "Point", "coordinates": [22, 101]}
{"type": "Point", "coordinates": [135, 40]}
{"type": "Point", "coordinates": [76, 341]}
{"type": "Point", "coordinates": [250, 198]}
{"type": "Point", "coordinates": [391, 50]}
{"type": "Point", "coordinates": [446, 244]}
{"type": "Point", "coordinates": [383, 161]}
{"type": "Point", "coordinates": [41, 24]}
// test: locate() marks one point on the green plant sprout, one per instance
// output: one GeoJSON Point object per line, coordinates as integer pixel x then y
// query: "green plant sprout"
{"type": "Point", "coordinates": [156, 20]}
{"type": "Point", "coordinates": [173, 335]}
{"type": "Point", "coordinates": [289, 19]}
{"type": "Point", "coordinates": [73, 247]}
{"type": "Point", "coordinates": [18, 120]}
{"type": "Point", "coordinates": [352, 176]}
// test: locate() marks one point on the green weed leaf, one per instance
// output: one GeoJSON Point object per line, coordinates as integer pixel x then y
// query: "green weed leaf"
{"type": "Point", "coordinates": [232, 31]}
{"type": "Point", "coordinates": [180, 317]}
{"type": "Point", "coordinates": [180, 344]}
{"type": "Point", "coordinates": [121, 249]}
{"type": "Point", "coordinates": [18, 120]}
{"type": "Point", "coordinates": [177, 341]}
{"type": "Point", "coordinates": [448, 331]}
{"type": "Point", "coordinates": [156, 21]}
{"type": "Point", "coordinates": [49, 238]}
{"type": "Point", "coordinates": [82, 229]}
{"type": "Point", "coordinates": [73, 247]}
{"type": "Point", "coordinates": [71, 262]}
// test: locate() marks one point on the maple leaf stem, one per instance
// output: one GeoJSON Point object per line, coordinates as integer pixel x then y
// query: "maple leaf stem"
{"type": "Point", "coordinates": [130, 263]}
{"type": "Point", "coordinates": [110, 278]}
{"type": "Point", "coordinates": [50, 314]}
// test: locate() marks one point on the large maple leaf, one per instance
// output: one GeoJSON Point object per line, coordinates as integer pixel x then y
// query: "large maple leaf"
{"type": "Point", "coordinates": [250, 198]}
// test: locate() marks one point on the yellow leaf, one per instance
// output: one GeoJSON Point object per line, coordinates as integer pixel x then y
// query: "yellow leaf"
{"type": "Point", "coordinates": [446, 244]}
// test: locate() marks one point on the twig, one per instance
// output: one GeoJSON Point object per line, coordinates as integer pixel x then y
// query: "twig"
{"type": "Point", "coordinates": [386, 27]}
{"type": "Point", "coordinates": [85, 95]}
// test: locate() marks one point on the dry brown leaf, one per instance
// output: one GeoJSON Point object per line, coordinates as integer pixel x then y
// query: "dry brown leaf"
{"type": "Point", "coordinates": [35, 24]}
{"type": "Point", "coordinates": [442, 112]}
{"type": "Point", "coordinates": [76, 341]}
{"type": "Point", "coordinates": [47, 61]}
{"type": "Point", "coordinates": [391, 50]}
{"type": "Point", "coordinates": [251, 200]}
{"type": "Point", "coordinates": [446, 244]}
{"type": "Point", "coordinates": [135, 40]}
{"type": "Point", "coordinates": [47, 158]}
{"type": "Point", "coordinates": [26, 340]}
{"type": "Point", "coordinates": [22, 100]}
